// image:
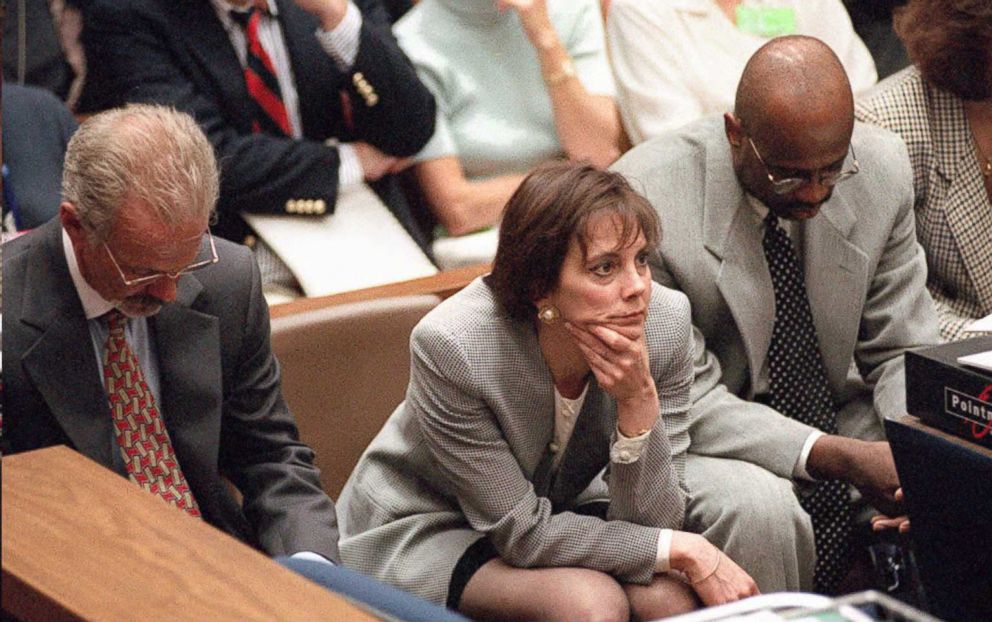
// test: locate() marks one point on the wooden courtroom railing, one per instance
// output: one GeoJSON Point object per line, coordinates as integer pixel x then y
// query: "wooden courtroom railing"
{"type": "Point", "coordinates": [82, 543]}
{"type": "Point", "coordinates": [915, 423]}
{"type": "Point", "coordinates": [442, 284]}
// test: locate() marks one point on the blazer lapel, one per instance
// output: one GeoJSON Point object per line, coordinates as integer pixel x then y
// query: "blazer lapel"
{"type": "Point", "coordinates": [967, 208]}
{"type": "Point", "coordinates": [188, 346]}
{"type": "Point", "coordinates": [63, 354]}
{"type": "Point", "coordinates": [588, 449]}
{"type": "Point", "coordinates": [732, 236]}
{"type": "Point", "coordinates": [529, 416]}
{"type": "Point", "coordinates": [836, 279]}
{"type": "Point", "coordinates": [209, 45]}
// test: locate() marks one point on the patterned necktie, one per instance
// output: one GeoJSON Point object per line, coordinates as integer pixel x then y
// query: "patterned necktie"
{"type": "Point", "coordinates": [138, 427]}
{"type": "Point", "coordinates": [799, 389]}
{"type": "Point", "coordinates": [268, 110]}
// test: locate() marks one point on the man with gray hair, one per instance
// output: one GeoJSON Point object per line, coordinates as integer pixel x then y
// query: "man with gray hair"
{"type": "Point", "coordinates": [135, 337]}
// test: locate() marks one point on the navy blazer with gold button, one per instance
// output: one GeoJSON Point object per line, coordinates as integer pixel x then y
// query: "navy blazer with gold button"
{"type": "Point", "coordinates": [176, 52]}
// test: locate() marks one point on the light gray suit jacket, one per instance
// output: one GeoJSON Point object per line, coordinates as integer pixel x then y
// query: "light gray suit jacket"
{"type": "Point", "coordinates": [865, 277]}
{"type": "Point", "coordinates": [953, 211]}
{"type": "Point", "coordinates": [467, 455]}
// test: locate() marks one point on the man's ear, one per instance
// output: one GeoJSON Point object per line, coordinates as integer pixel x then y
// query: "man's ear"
{"type": "Point", "coordinates": [732, 128]}
{"type": "Point", "coordinates": [69, 217]}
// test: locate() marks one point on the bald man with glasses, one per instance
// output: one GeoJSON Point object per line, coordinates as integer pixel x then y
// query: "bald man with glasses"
{"type": "Point", "coordinates": [791, 230]}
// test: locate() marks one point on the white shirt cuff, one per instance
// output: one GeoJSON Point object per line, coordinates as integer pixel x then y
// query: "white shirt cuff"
{"type": "Point", "coordinates": [662, 562]}
{"type": "Point", "coordinates": [311, 556]}
{"type": "Point", "coordinates": [800, 472]}
{"type": "Point", "coordinates": [625, 450]}
{"type": "Point", "coordinates": [342, 42]}
{"type": "Point", "coordinates": [350, 169]}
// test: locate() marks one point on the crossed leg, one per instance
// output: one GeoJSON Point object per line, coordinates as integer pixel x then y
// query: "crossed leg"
{"type": "Point", "coordinates": [498, 591]}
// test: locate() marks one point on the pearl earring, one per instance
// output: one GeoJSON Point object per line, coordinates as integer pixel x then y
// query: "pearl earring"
{"type": "Point", "coordinates": [549, 314]}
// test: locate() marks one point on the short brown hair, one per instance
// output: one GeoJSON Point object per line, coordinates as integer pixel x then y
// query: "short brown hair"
{"type": "Point", "coordinates": [552, 207]}
{"type": "Point", "coordinates": [950, 41]}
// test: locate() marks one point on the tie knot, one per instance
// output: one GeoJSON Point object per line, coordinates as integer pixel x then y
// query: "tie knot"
{"type": "Point", "coordinates": [771, 220]}
{"type": "Point", "coordinates": [243, 17]}
{"type": "Point", "coordinates": [116, 321]}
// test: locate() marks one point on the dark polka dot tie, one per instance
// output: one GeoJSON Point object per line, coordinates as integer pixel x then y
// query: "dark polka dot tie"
{"type": "Point", "coordinates": [799, 389]}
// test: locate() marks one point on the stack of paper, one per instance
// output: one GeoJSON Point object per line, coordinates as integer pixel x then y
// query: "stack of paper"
{"type": "Point", "coordinates": [983, 325]}
{"type": "Point", "coordinates": [981, 360]}
{"type": "Point", "coordinates": [360, 245]}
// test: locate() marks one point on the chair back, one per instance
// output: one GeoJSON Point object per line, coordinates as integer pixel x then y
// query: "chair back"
{"type": "Point", "coordinates": [345, 368]}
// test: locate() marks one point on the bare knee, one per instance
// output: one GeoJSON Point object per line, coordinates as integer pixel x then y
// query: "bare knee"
{"type": "Point", "coordinates": [602, 599]}
{"type": "Point", "coordinates": [662, 598]}
{"type": "Point", "coordinates": [500, 592]}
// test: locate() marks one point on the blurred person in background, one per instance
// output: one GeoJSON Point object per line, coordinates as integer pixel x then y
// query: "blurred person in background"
{"type": "Point", "coordinates": [676, 61]}
{"type": "Point", "coordinates": [942, 109]}
{"type": "Point", "coordinates": [518, 83]}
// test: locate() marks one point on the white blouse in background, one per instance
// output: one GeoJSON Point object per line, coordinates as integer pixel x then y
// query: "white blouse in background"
{"type": "Point", "coordinates": [678, 60]}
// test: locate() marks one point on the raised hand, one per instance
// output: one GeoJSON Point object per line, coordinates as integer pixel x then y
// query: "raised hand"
{"type": "Point", "coordinates": [329, 12]}
{"type": "Point", "coordinates": [533, 17]}
{"type": "Point", "coordinates": [618, 358]}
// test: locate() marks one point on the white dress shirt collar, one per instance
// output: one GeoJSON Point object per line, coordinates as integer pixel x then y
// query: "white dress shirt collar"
{"type": "Point", "coordinates": [224, 8]}
{"type": "Point", "coordinates": [94, 305]}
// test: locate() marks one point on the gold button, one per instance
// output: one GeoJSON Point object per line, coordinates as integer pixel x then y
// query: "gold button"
{"type": "Point", "coordinates": [321, 206]}
{"type": "Point", "coordinates": [372, 100]}
{"type": "Point", "coordinates": [553, 447]}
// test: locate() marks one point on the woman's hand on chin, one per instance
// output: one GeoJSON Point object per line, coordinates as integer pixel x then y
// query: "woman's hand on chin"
{"type": "Point", "coordinates": [716, 578]}
{"type": "Point", "coordinates": [618, 357]}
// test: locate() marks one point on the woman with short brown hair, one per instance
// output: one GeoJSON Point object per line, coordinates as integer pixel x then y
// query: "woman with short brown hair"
{"type": "Point", "coordinates": [536, 468]}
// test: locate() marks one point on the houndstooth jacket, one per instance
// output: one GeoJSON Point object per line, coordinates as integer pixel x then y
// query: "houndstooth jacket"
{"type": "Point", "coordinates": [953, 211]}
{"type": "Point", "coordinates": [467, 454]}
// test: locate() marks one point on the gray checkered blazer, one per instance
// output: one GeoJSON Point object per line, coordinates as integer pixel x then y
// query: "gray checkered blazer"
{"type": "Point", "coordinates": [467, 455]}
{"type": "Point", "coordinates": [953, 212]}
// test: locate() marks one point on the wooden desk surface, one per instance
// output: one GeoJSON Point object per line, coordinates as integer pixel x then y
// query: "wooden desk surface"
{"type": "Point", "coordinates": [82, 543]}
{"type": "Point", "coordinates": [914, 422]}
{"type": "Point", "coordinates": [443, 284]}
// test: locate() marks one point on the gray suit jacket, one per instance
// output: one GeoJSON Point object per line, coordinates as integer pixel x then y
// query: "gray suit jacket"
{"type": "Point", "coordinates": [467, 455]}
{"type": "Point", "coordinates": [221, 399]}
{"type": "Point", "coordinates": [865, 278]}
{"type": "Point", "coordinates": [953, 211]}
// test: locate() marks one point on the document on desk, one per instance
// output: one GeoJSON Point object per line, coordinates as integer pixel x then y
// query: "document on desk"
{"type": "Point", "coordinates": [983, 325]}
{"type": "Point", "coordinates": [466, 250]}
{"type": "Point", "coordinates": [981, 360]}
{"type": "Point", "coordinates": [360, 245]}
